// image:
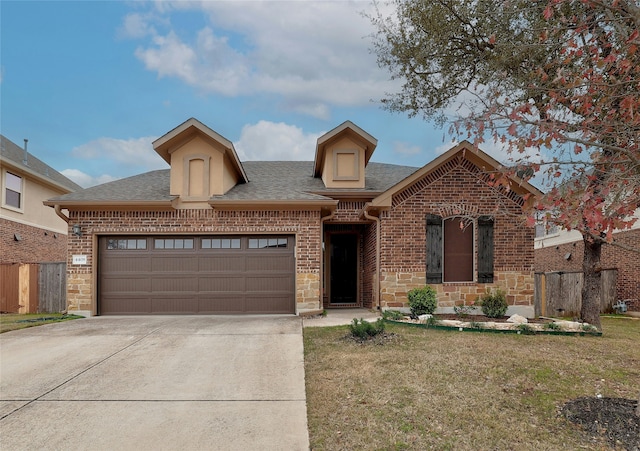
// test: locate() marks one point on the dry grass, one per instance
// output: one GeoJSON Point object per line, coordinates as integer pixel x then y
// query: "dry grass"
{"type": "Point", "coordinates": [14, 321]}
{"type": "Point", "coordinates": [432, 389]}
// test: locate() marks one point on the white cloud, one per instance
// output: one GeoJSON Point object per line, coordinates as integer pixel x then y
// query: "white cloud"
{"type": "Point", "coordinates": [86, 180]}
{"type": "Point", "coordinates": [134, 152]}
{"type": "Point", "coordinates": [313, 54]}
{"type": "Point", "coordinates": [136, 25]}
{"type": "Point", "coordinates": [404, 148]}
{"type": "Point", "coordinates": [275, 141]}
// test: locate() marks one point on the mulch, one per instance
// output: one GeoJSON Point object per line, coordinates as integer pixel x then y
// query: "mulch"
{"type": "Point", "coordinates": [611, 418]}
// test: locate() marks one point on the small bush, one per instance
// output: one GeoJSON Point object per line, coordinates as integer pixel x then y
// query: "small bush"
{"type": "Point", "coordinates": [552, 326]}
{"type": "Point", "coordinates": [422, 301]}
{"type": "Point", "coordinates": [494, 305]}
{"type": "Point", "coordinates": [392, 314]}
{"type": "Point", "coordinates": [526, 329]}
{"type": "Point", "coordinates": [363, 329]}
{"type": "Point", "coordinates": [464, 310]}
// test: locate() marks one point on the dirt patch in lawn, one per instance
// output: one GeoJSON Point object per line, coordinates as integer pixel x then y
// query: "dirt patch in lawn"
{"type": "Point", "coordinates": [613, 418]}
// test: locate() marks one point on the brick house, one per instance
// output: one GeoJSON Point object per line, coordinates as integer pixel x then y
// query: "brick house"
{"type": "Point", "coordinates": [212, 234]}
{"type": "Point", "coordinates": [29, 231]}
{"type": "Point", "coordinates": [562, 250]}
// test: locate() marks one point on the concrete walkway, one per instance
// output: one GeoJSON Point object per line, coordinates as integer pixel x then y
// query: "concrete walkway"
{"type": "Point", "coordinates": [161, 383]}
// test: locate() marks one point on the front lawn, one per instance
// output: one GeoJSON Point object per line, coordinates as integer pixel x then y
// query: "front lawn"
{"type": "Point", "coordinates": [432, 389]}
{"type": "Point", "coordinates": [14, 321]}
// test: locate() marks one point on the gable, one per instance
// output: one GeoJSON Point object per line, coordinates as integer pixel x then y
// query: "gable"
{"type": "Point", "coordinates": [465, 156]}
{"type": "Point", "coordinates": [203, 164]}
{"type": "Point", "coordinates": [342, 156]}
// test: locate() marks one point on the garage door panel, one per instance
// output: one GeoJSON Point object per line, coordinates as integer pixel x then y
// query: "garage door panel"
{"type": "Point", "coordinates": [227, 303]}
{"type": "Point", "coordinates": [268, 304]}
{"type": "Point", "coordinates": [142, 278]}
{"type": "Point", "coordinates": [125, 284]}
{"type": "Point", "coordinates": [222, 283]}
{"type": "Point", "coordinates": [174, 284]}
{"type": "Point", "coordinates": [126, 264]}
{"type": "Point", "coordinates": [172, 263]}
{"type": "Point", "coordinates": [269, 263]}
{"type": "Point", "coordinates": [124, 305]}
{"type": "Point", "coordinates": [179, 305]}
{"type": "Point", "coordinates": [215, 262]}
{"type": "Point", "coordinates": [263, 283]}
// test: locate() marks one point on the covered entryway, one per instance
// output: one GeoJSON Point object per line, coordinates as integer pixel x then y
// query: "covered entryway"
{"type": "Point", "coordinates": [196, 275]}
{"type": "Point", "coordinates": [343, 284]}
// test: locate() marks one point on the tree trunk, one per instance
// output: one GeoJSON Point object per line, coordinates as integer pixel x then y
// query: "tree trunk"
{"type": "Point", "coordinates": [592, 283]}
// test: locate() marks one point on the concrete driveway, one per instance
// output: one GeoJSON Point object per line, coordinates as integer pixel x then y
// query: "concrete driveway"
{"type": "Point", "coordinates": [161, 383]}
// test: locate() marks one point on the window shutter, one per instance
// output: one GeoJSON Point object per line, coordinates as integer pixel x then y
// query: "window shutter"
{"type": "Point", "coordinates": [434, 249]}
{"type": "Point", "coordinates": [485, 249]}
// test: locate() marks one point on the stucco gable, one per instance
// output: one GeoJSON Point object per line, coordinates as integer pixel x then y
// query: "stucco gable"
{"type": "Point", "coordinates": [203, 162]}
{"type": "Point", "coordinates": [464, 153]}
{"type": "Point", "coordinates": [342, 155]}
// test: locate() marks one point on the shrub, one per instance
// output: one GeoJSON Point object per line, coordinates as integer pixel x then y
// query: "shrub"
{"type": "Point", "coordinates": [552, 326]}
{"type": "Point", "coordinates": [464, 310]}
{"type": "Point", "coordinates": [526, 329]}
{"type": "Point", "coordinates": [422, 301]}
{"type": "Point", "coordinates": [392, 314]}
{"type": "Point", "coordinates": [494, 305]}
{"type": "Point", "coordinates": [363, 329]}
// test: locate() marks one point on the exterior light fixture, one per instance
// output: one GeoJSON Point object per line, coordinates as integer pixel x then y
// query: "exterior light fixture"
{"type": "Point", "coordinates": [77, 231]}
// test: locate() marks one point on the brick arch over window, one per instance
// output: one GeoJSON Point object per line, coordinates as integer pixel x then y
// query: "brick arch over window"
{"type": "Point", "coordinates": [450, 249]}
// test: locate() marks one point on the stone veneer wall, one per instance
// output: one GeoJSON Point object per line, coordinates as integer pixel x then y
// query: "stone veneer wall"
{"type": "Point", "coordinates": [36, 245]}
{"type": "Point", "coordinates": [304, 224]}
{"type": "Point", "coordinates": [456, 188]}
{"type": "Point", "coordinates": [518, 285]}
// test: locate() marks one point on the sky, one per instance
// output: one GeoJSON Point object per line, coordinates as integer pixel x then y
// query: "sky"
{"type": "Point", "coordinates": [91, 84]}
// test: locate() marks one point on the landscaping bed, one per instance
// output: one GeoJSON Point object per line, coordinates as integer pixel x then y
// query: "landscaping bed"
{"type": "Point", "coordinates": [504, 324]}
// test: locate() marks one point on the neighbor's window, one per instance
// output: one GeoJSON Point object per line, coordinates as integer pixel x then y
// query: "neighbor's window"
{"type": "Point", "coordinates": [12, 190]}
{"type": "Point", "coordinates": [173, 243]}
{"type": "Point", "coordinates": [263, 243]}
{"type": "Point", "coordinates": [126, 243]}
{"type": "Point", "coordinates": [451, 246]}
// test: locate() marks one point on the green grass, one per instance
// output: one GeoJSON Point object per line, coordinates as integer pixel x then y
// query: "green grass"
{"type": "Point", "coordinates": [435, 389]}
{"type": "Point", "coordinates": [15, 321]}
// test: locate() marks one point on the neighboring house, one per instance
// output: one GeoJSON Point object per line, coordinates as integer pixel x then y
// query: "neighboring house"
{"type": "Point", "coordinates": [213, 234]}
{"type": "Point", "coordinates": [561, 250]}
{"type": "Point", "coordinates": [29, 231]}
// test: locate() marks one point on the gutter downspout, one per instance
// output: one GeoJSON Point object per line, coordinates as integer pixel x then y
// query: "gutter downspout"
{"type": "Point", "coordinates": [322, 259]}
{"type": "Point", "coordinates": [378, 241]}
{"type": "Point", "coordinates": [58, 211]}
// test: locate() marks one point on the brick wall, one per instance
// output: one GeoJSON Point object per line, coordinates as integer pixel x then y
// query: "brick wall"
{"type": "Point", "coordinates": [552, 258]}
{"type": "Point", "coordinates": [369, 266]}
{"type": "Point", "coordinates": [457, 188]}
{"type": "Point", "coordinates": [36, 245]}
{"type": "Point", "coordinates": [304, 224]}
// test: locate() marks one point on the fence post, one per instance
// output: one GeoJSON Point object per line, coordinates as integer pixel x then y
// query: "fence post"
{"type": "Point", "coordinates": [543, 294]}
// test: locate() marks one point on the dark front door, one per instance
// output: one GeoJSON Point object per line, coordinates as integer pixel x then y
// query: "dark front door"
{"type": "Point", "coordinates": [344, 268]}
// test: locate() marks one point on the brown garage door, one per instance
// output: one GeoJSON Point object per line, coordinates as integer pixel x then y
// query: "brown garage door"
{"type": "Point", "coordinates": [196, 275]}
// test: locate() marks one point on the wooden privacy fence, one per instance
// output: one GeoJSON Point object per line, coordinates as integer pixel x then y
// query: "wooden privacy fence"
{"type": "Point", "coordinates": [33, 287]}
{"type": "Point", "coordinates": [560, 293]}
